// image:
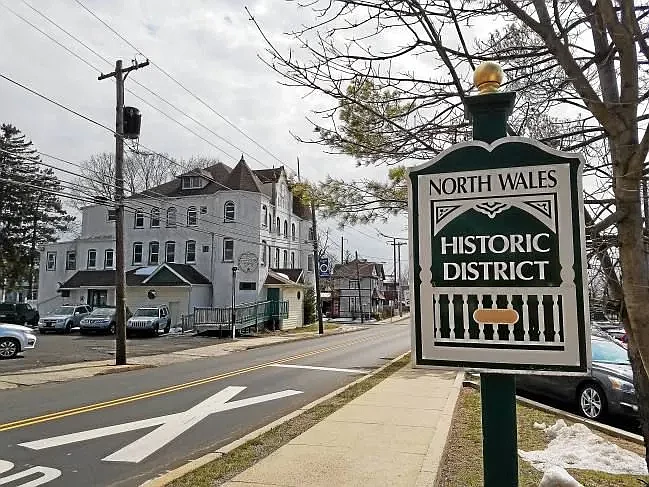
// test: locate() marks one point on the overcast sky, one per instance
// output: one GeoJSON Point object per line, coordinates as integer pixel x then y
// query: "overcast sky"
{"type": "Point", "coordinates": [210, 47]}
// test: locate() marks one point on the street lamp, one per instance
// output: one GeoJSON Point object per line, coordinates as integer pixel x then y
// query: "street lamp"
{"type": "Point", "coordinates": [234, 312]}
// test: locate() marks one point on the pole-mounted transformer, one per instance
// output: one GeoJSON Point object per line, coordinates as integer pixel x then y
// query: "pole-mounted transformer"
{"type": "Point", "coordinates": [132, 123]}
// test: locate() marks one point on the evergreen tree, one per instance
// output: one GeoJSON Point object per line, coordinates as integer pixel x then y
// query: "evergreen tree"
{"type": "Point", "coordinates": [29, 217]}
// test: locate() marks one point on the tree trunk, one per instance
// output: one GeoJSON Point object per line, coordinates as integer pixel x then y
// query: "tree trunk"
{"type": "Point", "coordinates": [32, 252]}
{"type": "Point", "coordinates": [641, 380]}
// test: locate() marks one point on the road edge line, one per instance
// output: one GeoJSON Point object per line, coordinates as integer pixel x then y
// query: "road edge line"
{"type": "Point", "coordinates": [192, 465]}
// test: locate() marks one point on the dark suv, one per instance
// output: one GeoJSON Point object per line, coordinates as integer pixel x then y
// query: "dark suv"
{"type": "Point", "coordinates": [18, 314]}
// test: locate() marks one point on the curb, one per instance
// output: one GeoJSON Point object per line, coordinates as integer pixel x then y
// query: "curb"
{"type": "Point", "coordinates": [308, 337]}
{"type": "Point", "coordinates": [604, 428]}
{"type": "Point", "coordinates": [192, 465]}
{"type": "Point", "coordinates": [437, 446]}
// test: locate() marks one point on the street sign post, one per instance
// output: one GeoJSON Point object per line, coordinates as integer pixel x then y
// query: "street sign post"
{"type": "Point", "coordinates": [497, 241]}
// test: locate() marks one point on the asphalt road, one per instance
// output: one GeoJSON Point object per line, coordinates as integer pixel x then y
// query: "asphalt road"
{"type": "Point", "coordinates": [213, 402]}
{"type": "Point", "coordinates": [54, 349]}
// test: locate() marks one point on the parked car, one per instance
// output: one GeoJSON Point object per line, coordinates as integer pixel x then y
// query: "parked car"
{"type": "Point", "coordinates": [150, 319]}
{"type": "Point", "coordinates": [18, 314]}
{"type": "Point", "coordinates": [101, 320]}
{"type": "Point", "coordinates": [608, 390]}
{"type": "Point", "coordinates": [63, 318]}
{"type": "Point", "coordinates": [15, 339]}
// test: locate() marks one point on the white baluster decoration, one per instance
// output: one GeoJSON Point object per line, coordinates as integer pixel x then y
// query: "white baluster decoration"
{"type": "Point", "coordinates": [451, 316]}
{"type": "Point", "coordinates": [555, 314]}
{"type": "Point", "coordinates": [510, 328]}
{"type": "Point", "coordinates": [526, 318]}
{"type": "Point", "coordinates": [541, 315]}
{"type": "Point", "coordinates": [438, 321]}
{"type": "Point", "coordinates": [465, 316]}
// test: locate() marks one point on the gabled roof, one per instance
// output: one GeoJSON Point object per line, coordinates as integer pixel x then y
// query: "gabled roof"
{"type": "Point", "coordinates": [269, 175]}
{"type": "Point", "coordinates": [295, 275]}
{"type": "Point", "coordinates": [162, 275]}
{"type": "Point", "coordinates": [242, 178]}
{"type": "Point", "coordinates": [365, 269]}
{"type": "Point", "coordinates": [216, 176]}
{"type": "Point", "coordinates": [281, 277]}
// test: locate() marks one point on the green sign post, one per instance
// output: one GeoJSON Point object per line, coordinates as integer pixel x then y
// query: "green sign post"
{"type": "Point", "coordinates": [497, 239]}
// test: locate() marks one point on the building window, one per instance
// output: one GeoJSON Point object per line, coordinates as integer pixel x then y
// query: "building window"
{"type": "Point", "coordinates": [109, 258]}
{"type": "Point", "coordinates": [278, 226]}
{"type": "Point", "coordinates": [192, 182]}
{"type": "Point", "coordinates": [71, 261]}
{"type": "Point", "coordinates": [92, 259]}
{"type": "Point", "coordinates": [247, 286]}
{"type": "Point", "coordinates": [154, 253]}
{"type": "Point", "coordinates": [139, 219]}
{"type": "Point", "coordinates": [203, 210]}
{"type": "Point", "coordinates": [170, 252]}
{"type": "Point", "coordinates": [309, 263]}
{"type": "Point", "coordinates": [111, 215]}
{"type": "Point", "coordinates": [190, 252]}
{"type": "Point", "coordinates": [155, 217]}
{"type": "Point", "coordinates": [206, 248]}
{"type": "Point", "coordinates": [65, 293]}
{"type": "Point", "coordinates": [264, 215]}
{"type": "Point", "coordinates": [310, 233]}
{"type": "Point", "coordinates": [171, 217]}
{"type": "Point", "coordinates": [285, 260]}
{"type": "Point", "coordinates": [137, 253]}
{"type": "Point", "coordinates": [293, 231]}
{"type": "Point", "coordinates": [228, 250]}
{"type": "Point", "coordinates": [263, 252]}
{"type": "Point", "coordinates": [353, 284]}
{"type": "Point", "coordinates": [277, 258]}
{"type": "Point", "coordinates": [292, 260]}
{"type": "Point", "coordinates": [51, 261]}
{"type": "Point", "coordinates": [228, 211]}
{"type": "Point", "coordinates": [285, 229]}
{"type": "Point", "coordinates": [192, 217]}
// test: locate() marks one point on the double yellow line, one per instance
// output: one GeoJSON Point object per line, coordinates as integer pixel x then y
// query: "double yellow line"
{"type": "Point", "coordinates": [166, 390]}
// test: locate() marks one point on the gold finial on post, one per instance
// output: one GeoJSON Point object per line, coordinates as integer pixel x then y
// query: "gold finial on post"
{"type": "Point", "coordinates": [488, 77]}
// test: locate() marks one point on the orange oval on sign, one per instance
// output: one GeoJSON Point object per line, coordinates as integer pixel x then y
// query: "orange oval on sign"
{"type": "Point", "coordinates": [495, 316]}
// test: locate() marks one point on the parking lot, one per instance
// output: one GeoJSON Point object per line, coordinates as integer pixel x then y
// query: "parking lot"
{"type": "Point", "coordinates": [55, 349]}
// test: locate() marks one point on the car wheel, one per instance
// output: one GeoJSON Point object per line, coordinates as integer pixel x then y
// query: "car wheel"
{"type": "Point", "coordinates": [167, 328]}
{"type": "Point", "coordinates": [9, 348]}
{"type": "Point", "coordinates": [592, 401]}
{"type": "Point", "coordinates": [111, 329]}
{"type": "Point", "coordinates": [68, 327]}
{"type": "Point", "coordinates": [156, 331]}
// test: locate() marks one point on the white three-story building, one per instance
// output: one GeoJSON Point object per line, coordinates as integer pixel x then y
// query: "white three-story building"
{"type": "Point", "coordinates": [182, 240]}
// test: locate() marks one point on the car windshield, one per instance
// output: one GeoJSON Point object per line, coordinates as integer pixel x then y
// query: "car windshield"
{"type": "Point", "coordinates": [148, 312]}
{"type": "Point", "coordinates": [609, 352]}
{"type": "Point", "coordinates": [63, 310]}
{"type": "Point", "coordinates": [102, 311]}
{"type": "Point", "coordinates": [6, 307]}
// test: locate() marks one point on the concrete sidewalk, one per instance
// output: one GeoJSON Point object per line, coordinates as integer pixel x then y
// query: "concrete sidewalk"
{"type": "Point", "coordinates": [67, 372]}
{"type": "Point", "coordinates": [393, 435]}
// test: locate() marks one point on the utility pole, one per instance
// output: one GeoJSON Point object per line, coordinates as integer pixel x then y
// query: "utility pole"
{"type": "Point", "coordinates": [399, 281]}
{"type": "Point", "coordinates": [342, 252]}
{"type": "Point", "coordinates": [233, 317]}
{"type": "Point", "coordinates": [358, 284]}
{"type": "Point", "coordinates": [120, 281]}
{"type": "Point", "coordinates": [316, 268]}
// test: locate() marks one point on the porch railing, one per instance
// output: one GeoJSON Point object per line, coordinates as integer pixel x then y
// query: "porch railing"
{"type": "Point", "coordinates": [247, 315]}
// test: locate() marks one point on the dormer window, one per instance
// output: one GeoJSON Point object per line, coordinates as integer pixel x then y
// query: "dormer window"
{"type": "Point", "coordinates": [192, 182]}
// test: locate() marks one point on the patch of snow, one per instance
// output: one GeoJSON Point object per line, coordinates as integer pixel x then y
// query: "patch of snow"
{"type": "Point", "coordinates": [578, 447]}
{"type": "Point", "coordinates": [145, 271]}
{"type": "Point", "coordinates": [558, 477]}
{"type": "Point", "coordinates": [540, 426]}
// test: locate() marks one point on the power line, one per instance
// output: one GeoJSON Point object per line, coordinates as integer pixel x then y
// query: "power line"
{"type": "Point", "coordinates": [213, 110]}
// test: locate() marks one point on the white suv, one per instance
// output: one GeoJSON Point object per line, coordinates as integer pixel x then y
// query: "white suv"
{"type": "Point", "coordinates": [15, 339]}
{"type": "Point", "coordinates": [150, 319]}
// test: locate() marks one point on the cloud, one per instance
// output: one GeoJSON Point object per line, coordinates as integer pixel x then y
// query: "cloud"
{"type": "Point", "coordinates": [211, 47]}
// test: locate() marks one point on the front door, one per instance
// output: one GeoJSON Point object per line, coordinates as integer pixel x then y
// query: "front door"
{"type": "Point", "coordinates": [97, 298]}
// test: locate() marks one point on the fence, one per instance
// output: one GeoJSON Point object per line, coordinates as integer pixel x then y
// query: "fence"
{"type": "Point", "coordinates": [246, 316]}
{"type": "Point", "coordinates": [540, 320]}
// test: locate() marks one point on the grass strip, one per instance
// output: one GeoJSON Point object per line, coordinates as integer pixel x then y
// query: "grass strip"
{"type": "Point", "coordinates": [462, 462]}
{"type": "Point", "coordinates": [228, 466]}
